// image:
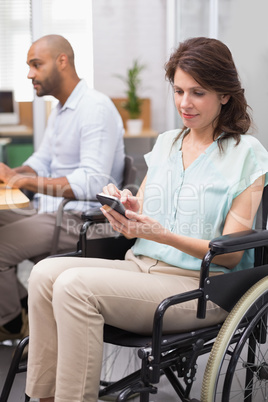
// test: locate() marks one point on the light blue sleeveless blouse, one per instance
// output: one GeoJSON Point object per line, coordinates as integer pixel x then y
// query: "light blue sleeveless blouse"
{"type": "Point", "coordinates": [195, 202]}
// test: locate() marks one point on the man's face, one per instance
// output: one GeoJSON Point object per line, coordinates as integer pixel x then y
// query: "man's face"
{"type": "Point", "coordinates": [43, 70]}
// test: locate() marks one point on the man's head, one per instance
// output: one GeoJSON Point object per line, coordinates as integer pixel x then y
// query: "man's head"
{"type": "Point", "coordinates": [52, 69]}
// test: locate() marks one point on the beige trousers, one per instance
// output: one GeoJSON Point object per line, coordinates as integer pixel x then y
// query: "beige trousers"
{"type": "Point", "coordinates": [25, 234]}
{"type": "Point", "coordinates": [70, 299]}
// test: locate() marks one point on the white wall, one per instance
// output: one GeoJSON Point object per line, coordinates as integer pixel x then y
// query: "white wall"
{"type": "Point", "coordinates": [246, 33]}
{"type": "Point", "coordinates": [124, 30]}
{"type": "Point", "coordinates": [127, 29]}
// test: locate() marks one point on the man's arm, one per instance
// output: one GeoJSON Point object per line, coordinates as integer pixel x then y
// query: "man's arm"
{"type": "Point", "coordinates": [26, 177]}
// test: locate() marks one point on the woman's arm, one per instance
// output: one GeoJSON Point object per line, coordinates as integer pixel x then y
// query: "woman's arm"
{"type": "Point", "coordinates": [239, 218]}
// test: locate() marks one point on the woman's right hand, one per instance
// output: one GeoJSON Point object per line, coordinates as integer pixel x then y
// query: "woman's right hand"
{"type": "Point", "coordinates": [125, 196]}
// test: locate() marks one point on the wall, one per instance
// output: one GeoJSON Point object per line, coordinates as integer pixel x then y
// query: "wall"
{"type": "Point", "coordinates": [246, 33]}
{"type": "Point", "coordinates": [124, 31]}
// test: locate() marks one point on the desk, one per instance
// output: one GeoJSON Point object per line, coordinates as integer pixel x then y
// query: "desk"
{"type": "Point", "coordinates": [19, 130]}
{"type": "Point", "coordinates": [12, 198]}
{"type": "Point", "coordinates": [146, 133]}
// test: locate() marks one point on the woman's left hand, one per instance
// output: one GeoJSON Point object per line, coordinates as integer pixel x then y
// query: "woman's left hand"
{"type": "Point", "coordinates": [136, 225]}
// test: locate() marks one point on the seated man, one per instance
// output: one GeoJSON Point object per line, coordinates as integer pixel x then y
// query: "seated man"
{"type": "Point", "coordinates": [82, 150]}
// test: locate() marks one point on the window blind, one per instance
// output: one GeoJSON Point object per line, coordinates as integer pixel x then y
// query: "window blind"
{"type": "Point", "coordinates": [15, 39]}
{"type": "Point", "coordinates": [71, 19]}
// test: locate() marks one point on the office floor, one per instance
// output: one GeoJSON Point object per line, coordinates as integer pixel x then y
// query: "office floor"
{"type": "Point", "coordinates": [125, 359]}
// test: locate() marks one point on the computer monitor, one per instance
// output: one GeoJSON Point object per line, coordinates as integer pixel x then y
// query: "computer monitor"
{"type": "Point", "coordinates": [9, 112]}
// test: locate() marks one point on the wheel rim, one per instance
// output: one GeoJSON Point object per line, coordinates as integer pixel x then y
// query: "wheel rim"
{"type": "Point", "coordinates": [223, 349]}
{"type": "Point", "coordinates": [252, 367]}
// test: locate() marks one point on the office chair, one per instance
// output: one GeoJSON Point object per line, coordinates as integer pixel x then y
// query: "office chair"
{"type": "Point", "coordinates": [238, 345]}
{"type": "Point", "coordinates": [129, 177]}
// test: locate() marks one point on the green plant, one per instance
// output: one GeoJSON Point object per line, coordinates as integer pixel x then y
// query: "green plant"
{"type": "Point", "coordinates": [133, 82]}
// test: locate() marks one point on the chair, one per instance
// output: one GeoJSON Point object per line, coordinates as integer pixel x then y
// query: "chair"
{"type": "Point", "coordinates": [239, 345]}
{"type": "Point", "coordinates": [129, 177]}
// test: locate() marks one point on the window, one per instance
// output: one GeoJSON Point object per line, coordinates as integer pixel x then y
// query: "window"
{"type": "Point", "coordinates": [70, 19]}
{"type": "Point", "coordinates": [73, 20]}
{"type": "Point", "coordinates": [15, 39]}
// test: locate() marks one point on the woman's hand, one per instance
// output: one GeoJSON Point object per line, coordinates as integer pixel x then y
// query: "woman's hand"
{"type": "Point", "coordinates": [136, 225]}
{"type": "Point", "coordinates": [125, 196]}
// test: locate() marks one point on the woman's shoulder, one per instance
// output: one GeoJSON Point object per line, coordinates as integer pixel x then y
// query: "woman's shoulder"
{"type": "Point", "coordinates": [247, 143]}
{"type": "Point", "coordinates": [163, 147]}
{"type": "Point", "coordinates": [249, 162]}
{"type": "Point", "coordinates": [168, 138]}
{"type": "Point", "coordinates": [250, 140]}
{"type": "Point", "coordinates": [170, 133]}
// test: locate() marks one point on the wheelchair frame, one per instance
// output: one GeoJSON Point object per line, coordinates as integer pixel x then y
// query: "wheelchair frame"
{"type": "Point", "coordinates": [176, 355]}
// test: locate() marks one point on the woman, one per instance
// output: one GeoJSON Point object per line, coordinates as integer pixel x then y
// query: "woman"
{"type": "Point", "coordinates": [203, 181]}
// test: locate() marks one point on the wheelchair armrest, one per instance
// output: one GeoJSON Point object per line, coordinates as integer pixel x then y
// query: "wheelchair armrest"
{"type": "Point", "coordinates": [93, 215]}
{"type": "Point", "coordinates": [59, 217]}
{"type": "Point", "coordinates": [239, 241]}
{"type": "Point", "coordinates": [228, 244]}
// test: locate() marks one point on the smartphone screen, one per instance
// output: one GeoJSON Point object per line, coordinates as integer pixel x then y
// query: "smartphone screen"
{"type": "Point", "coordinates": [112, 201]}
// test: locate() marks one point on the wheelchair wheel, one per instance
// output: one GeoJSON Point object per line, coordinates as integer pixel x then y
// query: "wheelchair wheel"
{"type": "Point", "coordinates": [118, 362]}
{"type": "Point", "coordinates": [237, 369]}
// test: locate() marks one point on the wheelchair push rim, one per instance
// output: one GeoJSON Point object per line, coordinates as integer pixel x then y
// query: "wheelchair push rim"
{"type": "Point", "coordinates": [227, 361]}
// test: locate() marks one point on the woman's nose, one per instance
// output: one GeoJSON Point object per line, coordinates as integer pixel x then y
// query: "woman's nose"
{"type": "Point", "coordinates": [185, 100]}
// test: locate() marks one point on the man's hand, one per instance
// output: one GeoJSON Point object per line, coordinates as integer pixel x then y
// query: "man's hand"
{"type": "Point", "coordinates": [9, 176]}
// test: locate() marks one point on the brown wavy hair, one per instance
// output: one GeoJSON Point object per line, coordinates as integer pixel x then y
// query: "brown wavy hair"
{"type": "Point", "coordinates": [210, 63]}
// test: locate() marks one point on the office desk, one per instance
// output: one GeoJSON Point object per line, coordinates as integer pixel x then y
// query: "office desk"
{"type": "Point", "coordinates": [18, 130]}
{"type": "Point", "coordinates": [12, 198]}
{"type": "Point", "coordinates": [145, 133]}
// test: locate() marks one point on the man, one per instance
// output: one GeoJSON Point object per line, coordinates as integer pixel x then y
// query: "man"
{"type": "Point", "coordinates": [82, 150]}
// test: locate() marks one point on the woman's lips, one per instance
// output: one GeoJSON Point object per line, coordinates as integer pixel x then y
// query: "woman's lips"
{"type": "Point", "coordinates": [188, 116]}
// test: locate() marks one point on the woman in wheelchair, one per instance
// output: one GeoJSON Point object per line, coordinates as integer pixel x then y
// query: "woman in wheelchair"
{"type": "Point", "coordinates": [203, 181]}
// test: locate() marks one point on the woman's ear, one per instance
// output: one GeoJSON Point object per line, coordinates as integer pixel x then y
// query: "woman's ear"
{"type": "Point", "coordinates": [224, 99]}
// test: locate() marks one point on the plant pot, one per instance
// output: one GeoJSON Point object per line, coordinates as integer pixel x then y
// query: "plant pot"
{"type": "Point", "coordinates": [134, 126]}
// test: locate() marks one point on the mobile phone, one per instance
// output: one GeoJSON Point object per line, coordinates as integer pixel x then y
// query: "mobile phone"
{"type": "Point", "coordinates": [112, 201]}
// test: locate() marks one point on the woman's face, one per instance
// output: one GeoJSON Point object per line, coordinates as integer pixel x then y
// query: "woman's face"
{"type": "Point", "coordinates": [197, 106]}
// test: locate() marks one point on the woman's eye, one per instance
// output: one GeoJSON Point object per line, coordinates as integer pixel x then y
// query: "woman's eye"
{"type": "Point", "coordinates": [199, 93]}
{"type": "Point", "coordinates": [178, 91]}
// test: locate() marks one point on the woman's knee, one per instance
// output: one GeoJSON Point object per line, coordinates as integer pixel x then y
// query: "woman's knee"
{"type": "Point", "coordinates": [42, 274]}
{"type": "Point", "coordinates": [39, 271]}
{"type": "Point", "coordinates": [49, 269]}
{"type": "Point", "coordinates": [76, 284]}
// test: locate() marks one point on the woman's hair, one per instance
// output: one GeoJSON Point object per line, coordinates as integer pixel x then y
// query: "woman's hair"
{"type": "Point", "coordinates": [210, 63]}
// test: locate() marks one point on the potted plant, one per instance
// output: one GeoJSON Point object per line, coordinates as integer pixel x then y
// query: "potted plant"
{"type": "Point", "coordinates": [133, 103]}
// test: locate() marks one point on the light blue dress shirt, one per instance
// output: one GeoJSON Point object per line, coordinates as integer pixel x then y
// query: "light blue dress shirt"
{"type": "Point", "coordinates": [84, 142]}
{"type": "Point", "coordinates": [195, 202]}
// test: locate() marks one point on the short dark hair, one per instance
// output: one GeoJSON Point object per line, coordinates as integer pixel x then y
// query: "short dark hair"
{"type": "Point", "coordinates": [210, 62]}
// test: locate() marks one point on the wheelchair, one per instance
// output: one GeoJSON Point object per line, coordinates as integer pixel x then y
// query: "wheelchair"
{"type": "Point", "coordinates": [237, 349]}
